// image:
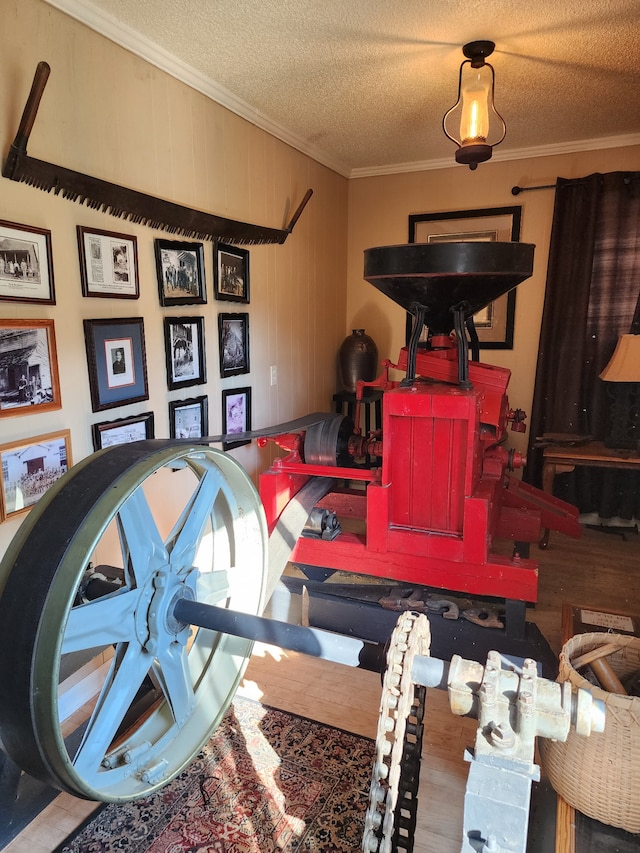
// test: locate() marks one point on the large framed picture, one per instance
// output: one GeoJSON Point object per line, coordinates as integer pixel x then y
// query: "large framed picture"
{"type": "Point", "coordinates": [26, 268]}
{"type": "Point", "coordinates": [184, 351]}
{"type": "Point", "coordinates": [495, 323]}
{"type": "Point", "coordinates": [123, 431]}
{"type": "Point", "coordinates": [189, 418]}
{"type": "Point", "coordinates": [117, 362]}
{"type": "Point", "coordinates": [233, 342]}
{"type": "Point", "coordinates": [108, 264]}
{"type": "Point", "coordinates": [180, 270]}
{"type": "Point", "coordinates": [231, 273]}
{"type": "Point", "coordinates": [29, 467]}
{"type": "Point", "coordinates": [28, 367]}
{"type": "Point", "coordinates": [236, 415]}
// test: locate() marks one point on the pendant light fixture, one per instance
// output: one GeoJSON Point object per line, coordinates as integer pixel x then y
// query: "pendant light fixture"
{"type": "Point", "coordinates": [474, 117]}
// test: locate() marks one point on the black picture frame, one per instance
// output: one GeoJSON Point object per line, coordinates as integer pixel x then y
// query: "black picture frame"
{"type": "Point", "coordinates": [108, 264]}
{"type": "Point", "coordinates": [123, 431]}
{"type": "Point", "coordinates": [117, 362]}
{"type": "Point", "coordinates": [26, 265]}
{"type": "Point", "coordinates": [236, 415]}
{"type": "Point", "coordinates": [180, 272]}
{"type": "Point", "coordinates": [230, 273]}
{"type": "Point", "coordinates": [496, 327]}
{"type": "Point", "coordinates": [184, 351]}
{"type": "Point", "coordinates": [29, 381]}
{"type": "Point", "coordinates": [233, 344]}
{"type": "Point", "coordinates": [189, 418]}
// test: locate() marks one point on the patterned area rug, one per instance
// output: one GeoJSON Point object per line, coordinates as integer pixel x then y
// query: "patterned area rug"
{"type": "Point", "coordinates": [266, 781]}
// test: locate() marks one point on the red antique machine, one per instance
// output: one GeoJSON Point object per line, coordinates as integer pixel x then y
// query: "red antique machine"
{"type": "Point", "coordinates": [444, 489]}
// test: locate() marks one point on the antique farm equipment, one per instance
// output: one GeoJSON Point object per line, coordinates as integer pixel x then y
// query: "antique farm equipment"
{"type": "Point", "coordinates": [513, 706]}
{"type": "Point", "coordinates": [159, 601]}
{"type": "Point", "coordinates": [121, 201]}
{"type": "Point", "coordinates": [443, 490]}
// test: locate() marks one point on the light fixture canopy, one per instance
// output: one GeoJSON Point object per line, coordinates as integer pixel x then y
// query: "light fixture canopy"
{"type": "Point", "coordinates": [474, 115]}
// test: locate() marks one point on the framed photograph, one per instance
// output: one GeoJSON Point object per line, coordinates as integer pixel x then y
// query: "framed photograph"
{"type": "Point", "coordinates": [180, 269]}
{"type": "Point", "coordinates": [108, 264]}
{"type": "Point", "coordinates": [184, 350]}
{"type": "Point", "coordinates": [28, 368]}
{"type": "Point", "coordinates": [231, 273]}
{"type": "Point", "coordinates": [189, 418]}
{"type": "Point", "coordinates": [117, 362]}
{"type": "Point", "coordinates": [26, 268]}
{"type": "Point", "coordinates": [233, 341]}
{"type": "Point", "coordinates": [236, 415]}
{"type": "Point", "coordinates": [29, 467]}
{"type": "Point", "coordinates": [495, 323]}
{"type": "Point", "coordinates": [123, 431]}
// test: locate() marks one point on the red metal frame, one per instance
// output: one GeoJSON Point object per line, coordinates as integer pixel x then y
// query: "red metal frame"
{"type": "Point", "coordinates": [431, 512]}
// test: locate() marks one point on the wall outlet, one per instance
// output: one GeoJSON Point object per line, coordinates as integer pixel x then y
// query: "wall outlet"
{"type": "Point", "coordinates": [274, 374]}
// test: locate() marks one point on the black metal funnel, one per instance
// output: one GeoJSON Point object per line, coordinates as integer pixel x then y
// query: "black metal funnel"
{"type": "Point", "coordinates": [444, 276]}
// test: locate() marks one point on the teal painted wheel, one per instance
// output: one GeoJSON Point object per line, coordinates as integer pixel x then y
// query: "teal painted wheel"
{"type": "Point", "coordinates": [170, 520]}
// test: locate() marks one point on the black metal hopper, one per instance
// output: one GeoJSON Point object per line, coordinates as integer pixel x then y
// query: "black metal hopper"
{"type": "Point", "coordinates": [443, 276]}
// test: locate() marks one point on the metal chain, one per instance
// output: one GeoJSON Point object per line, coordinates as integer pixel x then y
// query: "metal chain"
{"type": "Point", "coordinates": [410, 637]}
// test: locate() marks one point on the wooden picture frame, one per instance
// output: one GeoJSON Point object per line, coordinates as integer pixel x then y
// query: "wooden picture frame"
{"type": "Point", "coordinates": [180, 271]}
{"type": "Point", "coordinates": [117, 362]}
{"type": "Point", "coordinates": [231, 273]}
{"type": "Point", "coordinates": [123, 431]}
{"type": "Point", "coordinates": [495, 323]}
{"type": "Point", "coordinates": [236, 415]}
{"type": "Point", "coordinates": [184, 351]}
{"type": "Point", "coordinates": [189, 418]}
{"type": "Point", "coordinates": [233, 344]}
{"type": "Point", "coordinates": [26, 266]}
{"type": "Point", "coordinates": [28, 368]}
{"type": "Point", "coordinates": [29, 467]}
{"type": "Point", "coordinates": [108, 264]}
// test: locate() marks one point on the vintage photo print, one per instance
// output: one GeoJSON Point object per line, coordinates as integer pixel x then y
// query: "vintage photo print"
{"type": "Point", "coordinates": [28, 369]}
{"type": "Point", "coordinates": [184, 344]}
{"type": "Point", "coordinates": [233, 333]}
{"type": "Point", "coordinates": [26, 270]}
{"type": "Point", "coordinates": [118, 353]}
{"type": "Point", "coordinates": [28, 468]}
{"type": "Point", "coordinates": [108, 264]}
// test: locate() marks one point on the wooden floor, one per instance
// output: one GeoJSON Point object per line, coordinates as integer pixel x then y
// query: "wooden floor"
{"type": "Point", "coordinates": [600, 571]}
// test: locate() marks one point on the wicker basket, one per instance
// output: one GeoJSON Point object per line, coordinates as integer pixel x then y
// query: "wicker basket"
{"type": "Point", "coordinates": [600, 775]}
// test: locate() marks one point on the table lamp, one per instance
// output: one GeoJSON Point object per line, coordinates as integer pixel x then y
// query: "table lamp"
{"type": "Point", "coordinates": [623, 375]}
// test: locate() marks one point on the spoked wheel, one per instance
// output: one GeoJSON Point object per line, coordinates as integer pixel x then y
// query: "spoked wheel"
{"type": "Point", "coordinates": [161, 521]}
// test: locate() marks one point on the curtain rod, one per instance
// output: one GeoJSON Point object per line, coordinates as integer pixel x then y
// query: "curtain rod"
{"type": "Point", "coordinates": [628, 178]}
{"type": "Point", "coordinates": [518, 190]}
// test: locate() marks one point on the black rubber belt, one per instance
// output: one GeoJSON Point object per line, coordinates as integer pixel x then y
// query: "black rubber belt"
{"type": "Point", "coordinates": [265, 432]}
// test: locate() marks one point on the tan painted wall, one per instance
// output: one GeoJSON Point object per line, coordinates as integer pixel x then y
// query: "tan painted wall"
{"type": "Point", "coordinates": [379, 208]}
{"type": "Point", "coordinates": [109, 114]}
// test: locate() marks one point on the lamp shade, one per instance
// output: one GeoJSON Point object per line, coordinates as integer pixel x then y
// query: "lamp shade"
{"type": "Point", "coordinates": [624, 365]}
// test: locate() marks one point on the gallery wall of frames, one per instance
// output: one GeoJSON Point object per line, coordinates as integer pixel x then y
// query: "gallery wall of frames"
{"type": "Point", "coordinates": [116, 351]}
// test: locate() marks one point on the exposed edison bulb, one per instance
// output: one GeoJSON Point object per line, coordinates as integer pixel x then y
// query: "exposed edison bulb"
{"type": "Point", "coordinates": [474, 119]}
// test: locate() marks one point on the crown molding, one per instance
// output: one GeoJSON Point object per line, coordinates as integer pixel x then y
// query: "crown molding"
{"type": "Point", "coordinates": [501, 156]}
{"type": "Point", "coordinates": [138, 44]}
{"type": "Point", "coordinates": [128, 38]}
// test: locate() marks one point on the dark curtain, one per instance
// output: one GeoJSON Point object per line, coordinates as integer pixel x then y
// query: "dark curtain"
{"type": "Point", "coordinates": [592, 293]}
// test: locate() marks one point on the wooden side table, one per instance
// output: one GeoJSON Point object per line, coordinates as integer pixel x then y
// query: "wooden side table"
{"type": "Point", "coordinates": [561, 459]}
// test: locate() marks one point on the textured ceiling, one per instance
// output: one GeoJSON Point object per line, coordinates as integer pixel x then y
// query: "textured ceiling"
{"type": "Point", "coordinates": [365, 82]}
